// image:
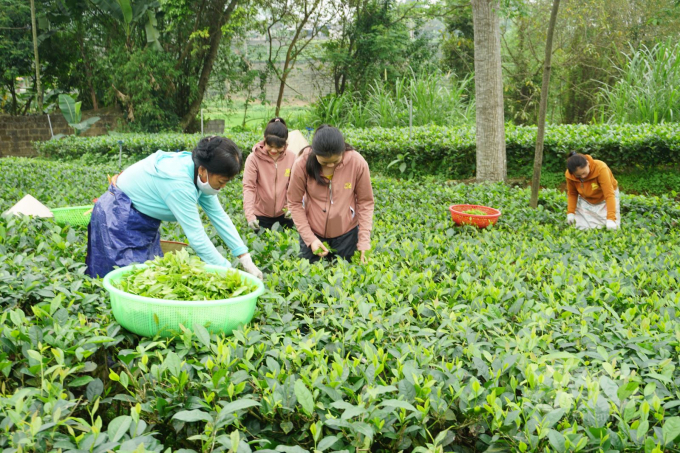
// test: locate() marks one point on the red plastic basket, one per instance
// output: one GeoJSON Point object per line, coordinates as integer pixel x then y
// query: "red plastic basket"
{"type": "Point", "coordinates": [482, 221]}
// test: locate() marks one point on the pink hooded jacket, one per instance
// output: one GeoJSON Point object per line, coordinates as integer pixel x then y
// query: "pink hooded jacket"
{"type": "Point", "coordinates": [265, 183]}
{"type": "Point", "coordinates": [332, 210]}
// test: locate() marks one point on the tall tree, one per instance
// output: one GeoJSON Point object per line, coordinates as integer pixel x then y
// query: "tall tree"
{"type": "Point", "coordinates": [292, 27]}
{"type": "Point", "coordinates": [372, 42]}
{"type": "Point", "coordinates": [543, 107]}
{"type": "Point", "coordinates": [490, 134]}
{"type": "Point", "coordinates": [218, 13]}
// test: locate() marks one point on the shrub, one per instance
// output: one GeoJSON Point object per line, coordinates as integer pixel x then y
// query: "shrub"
{"type": "Point", "coordinates": [433, 150]}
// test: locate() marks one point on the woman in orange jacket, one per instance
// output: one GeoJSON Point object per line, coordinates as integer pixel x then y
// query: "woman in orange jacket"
{"type": "Point", "coordinates": [331, 198]}
{"type": "Point", "coordinates": [592, 194]}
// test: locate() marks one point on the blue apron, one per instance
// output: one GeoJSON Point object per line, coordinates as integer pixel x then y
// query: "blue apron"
{"type": "Point", "coordinates": [119, 235]}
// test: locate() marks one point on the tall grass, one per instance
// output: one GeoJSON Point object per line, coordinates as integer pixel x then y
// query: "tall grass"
{"type": "Point", "coordinates": [436, 98]}
{"type": "Point", "coordinates": [648, 90]}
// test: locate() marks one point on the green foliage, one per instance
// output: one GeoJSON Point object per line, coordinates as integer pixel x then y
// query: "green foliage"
{"type": "Point", "coordinates": [145, 82]}
{"type": "Point", "coordinates": [590, 37]}
{"type": "Point", "coordinates": [16, 52]}
{"type": "Point", "coordinates": [373, 43]}
{"type": "Point", "coordinates": [179, 276]}
{"type": "Point", "coordinates": [135, 146]}
{"type": "Point", "coordinates": [528, 336]}
{"type": "Point", "coordinates": [434, 150]}
{"type": "Point", "coordinates": [145, 56]}
{"type": "Point", "coordinates": [436, 98]}
{"type": "Point", "coordinates": [73, 116]}
{"type": "Point", "coordinates": [648, 89]}
{"type": "Point", "coordinates": [458, 47]}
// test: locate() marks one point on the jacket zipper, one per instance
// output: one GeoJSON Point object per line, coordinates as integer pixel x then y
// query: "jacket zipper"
{"type": "Point", "coordinates": [330, 197]}
{"type": "Point", "coordinates": [328, 213]}
{"type": "Point", "coordinates": [276, 178]}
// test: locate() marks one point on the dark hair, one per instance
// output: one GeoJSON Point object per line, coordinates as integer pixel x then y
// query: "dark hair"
{"type": "Point", "coordinates": [219, 155]}
{"type": "Point", "coordinates": [276, 133]}
{"type": "Point", "coordinates": [327, 141]}
{"type": "Point", "coordinates": [576, 161]}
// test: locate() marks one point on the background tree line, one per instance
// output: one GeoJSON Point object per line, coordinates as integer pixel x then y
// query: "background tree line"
{"type": "Point", "coordinates": [160, 60]}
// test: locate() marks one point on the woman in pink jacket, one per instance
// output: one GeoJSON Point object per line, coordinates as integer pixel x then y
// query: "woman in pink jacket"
{"type": "Point", "coordinates": [335, 183]}
{"type": "Point", "coordinates": [266, 177]}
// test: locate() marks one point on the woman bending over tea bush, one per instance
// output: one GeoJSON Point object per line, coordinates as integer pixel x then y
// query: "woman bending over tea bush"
{"type": "Point", "coordinates": [592, 194]}
{"type": "Point", "coordinates": [266, 178]}
{"type": "Point", "coordinates": [331, 197]}
{"type": "Point", "coordinates": [125, 224]}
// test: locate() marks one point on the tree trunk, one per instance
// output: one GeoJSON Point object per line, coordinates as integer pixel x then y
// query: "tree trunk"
{"type": "Point", "coordinates": [543, 107]}
{"type": "Point", "coordinates": [209, 61]}
{"type": "Point", "coordinates": [289, 58]}
{"type": "Point", "coordinates": [490, 136]}
{"type": "Point", "coordinates": [292, 53]}
{"type": "Point", "coordinates": [88, 69]}
{"type": "Point", "coordinates": [282, 88]}
{"type": "Point", "coordinates": [37, 61]}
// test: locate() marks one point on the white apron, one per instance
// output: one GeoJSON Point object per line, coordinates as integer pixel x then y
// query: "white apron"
{"type": "Point", "coordinates": [595, 215]}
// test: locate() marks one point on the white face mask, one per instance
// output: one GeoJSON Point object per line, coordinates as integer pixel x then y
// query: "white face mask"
{"type": "Point", "coordinates": [205, 187]}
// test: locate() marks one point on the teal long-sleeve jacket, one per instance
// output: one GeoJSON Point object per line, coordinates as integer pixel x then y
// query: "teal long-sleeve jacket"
{"type": "Point", "coordinates": [162, 186]}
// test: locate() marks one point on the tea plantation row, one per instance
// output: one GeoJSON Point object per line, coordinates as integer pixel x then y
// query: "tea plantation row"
{"type": "Point", "coordinates": [445, 151]}
{"type": "Point", "coordinates": [530, 336]}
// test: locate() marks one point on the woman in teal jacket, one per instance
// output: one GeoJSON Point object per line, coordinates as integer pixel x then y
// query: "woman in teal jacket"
{"type": "Point", "coordinates": [125, 224]}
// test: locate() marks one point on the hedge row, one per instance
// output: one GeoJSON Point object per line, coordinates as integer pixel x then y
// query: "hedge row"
{"type": "Point", "coordinates": [431, 149]}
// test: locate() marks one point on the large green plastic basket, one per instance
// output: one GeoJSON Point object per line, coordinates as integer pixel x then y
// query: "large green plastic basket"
{"type": "Point", "coordinates": [76, 215]}
{"type": "Point", "coordinates": [148, 317]}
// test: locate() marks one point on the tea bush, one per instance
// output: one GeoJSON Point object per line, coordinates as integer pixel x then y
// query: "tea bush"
{"type": "Point", "coordinates": [529, 336]}
{"type": "Point", "coordinates": [435, 150]}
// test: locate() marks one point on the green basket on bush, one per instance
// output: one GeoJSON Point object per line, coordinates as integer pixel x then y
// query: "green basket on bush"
{"type": "Point", "coordinates": [76, 215]}
{"type": "Point", "coordinates": [149, 317]}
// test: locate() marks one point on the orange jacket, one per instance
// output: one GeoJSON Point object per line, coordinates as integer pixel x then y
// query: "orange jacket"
{"type": "Point", "coordinates": [333, 210]}
{"type": "Point", "coordinates": [265, 183]}
{"type": "Point", "coordinates": [599, 185]}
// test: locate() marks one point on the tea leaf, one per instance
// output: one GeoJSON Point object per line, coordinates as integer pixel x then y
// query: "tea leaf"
{"type": "Point", "coordinates": [192, 416]}
{"type": "Point", "coordinates": [304, 397]}
{"type": "Point", "coordinates": [202, 334]}
{"type": "Point", "coordinates": [118, 427]}
{"type": "Point", "coordinates": [326, 443]}
{"type": "Point", "coordinates": [398, 404]}
{"type": "Point", "coordinates": [670, 430]}
{"type": "Point", "coordinates": [81, 381]}
{"type": "Point", "coordinates": [557, 440]}
{"type": "Point", "coordinates": [94, 389]}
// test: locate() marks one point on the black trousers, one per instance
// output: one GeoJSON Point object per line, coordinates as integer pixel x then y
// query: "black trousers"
{"type": "Point", "coordinates": [268, 222]}
{"type": "Point", "coordinates": [344, 247]}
